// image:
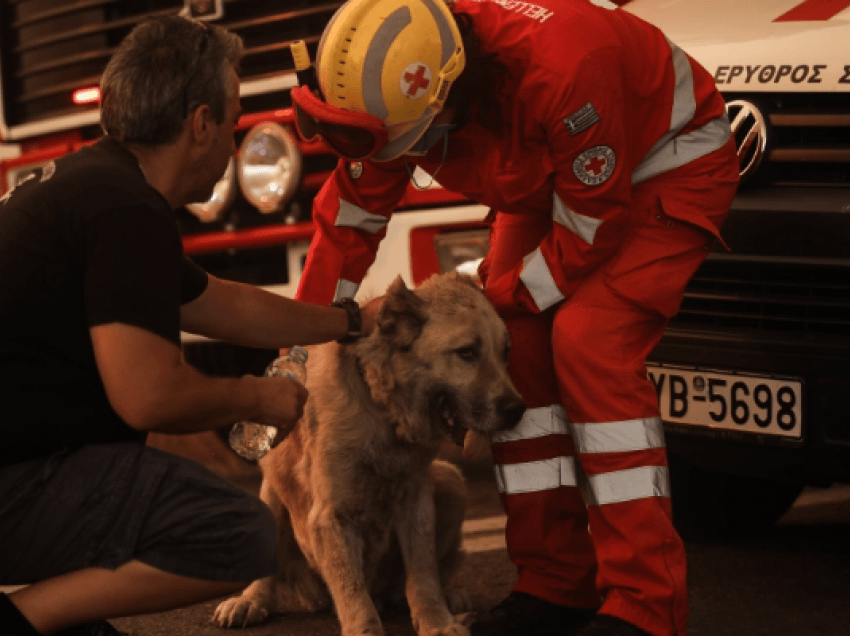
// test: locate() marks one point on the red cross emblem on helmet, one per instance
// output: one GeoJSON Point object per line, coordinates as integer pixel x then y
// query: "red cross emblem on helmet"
{"type": "Point", "coordinates": [415, 80]}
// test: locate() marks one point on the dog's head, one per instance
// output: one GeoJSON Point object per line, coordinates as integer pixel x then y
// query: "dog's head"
{"type": "Point", "coordinates": [438, 361]}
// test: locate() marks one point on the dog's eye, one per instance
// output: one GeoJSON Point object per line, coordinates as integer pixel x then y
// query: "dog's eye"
{"type": "Point", "coordinates": [467, 354]}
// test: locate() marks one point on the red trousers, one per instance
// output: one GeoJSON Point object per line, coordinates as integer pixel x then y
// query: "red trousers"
{"type": "Point", "coordinates": [583, 478]}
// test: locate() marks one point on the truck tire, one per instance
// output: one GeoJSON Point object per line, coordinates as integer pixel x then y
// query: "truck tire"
{"type": "Point", "coordinates": [710, 504]}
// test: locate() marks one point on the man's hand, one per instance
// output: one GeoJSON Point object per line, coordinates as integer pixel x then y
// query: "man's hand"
{"type": "Point", "coordinates": [281, 405]}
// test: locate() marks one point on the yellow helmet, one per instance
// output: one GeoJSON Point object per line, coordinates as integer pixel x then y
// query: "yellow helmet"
{"type": "Point", "coordinates": [392, 59]}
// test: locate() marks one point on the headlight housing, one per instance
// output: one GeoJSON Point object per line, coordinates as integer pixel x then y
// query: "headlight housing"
{"type": "Point", "coordinates": [223, 196]}
{"type": "Point", "coordinates": [269, 167]}
{"type": "Point", "coordinates": [462, 251]}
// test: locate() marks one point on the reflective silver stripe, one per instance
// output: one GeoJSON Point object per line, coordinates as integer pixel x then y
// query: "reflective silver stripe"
{"type": "Point", "coordinates": [628, 485]}
{"type": "Point", "coordinates": [539, 282]}
{"type": "Point", "coordinates": [345, 289]}
{"type": "Point", "coordinates": [618, 437]}
{"type": "Point", "coordinates": [351, 215]}
{"type": "Point", "coordinates": [684, 149]}
{"type": "Point", "coordinates": [670, 151]}
{"type": "Point", "coordinates": [583, 226]}
{"type": "Point", "coordinates": [546, 474]}
{"type": "Point", "coordinates": [373, 63]}
{"type": "Point", "coordinates": [447, 40]}
{"type": "Point", "coordinates": [537, 422]}
{"type": "Point", "coordinates": [684, 100]}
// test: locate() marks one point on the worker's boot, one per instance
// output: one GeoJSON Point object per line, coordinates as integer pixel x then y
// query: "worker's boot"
{"type": "Point", "coordinates": [522, 614]}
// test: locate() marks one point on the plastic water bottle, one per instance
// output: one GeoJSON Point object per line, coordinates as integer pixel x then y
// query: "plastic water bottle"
{"type": "Point", "coordinates": [252, 441]}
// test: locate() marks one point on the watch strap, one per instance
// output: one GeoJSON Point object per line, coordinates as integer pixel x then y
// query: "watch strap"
{"type": "Point", "coordinates": [355, 320]}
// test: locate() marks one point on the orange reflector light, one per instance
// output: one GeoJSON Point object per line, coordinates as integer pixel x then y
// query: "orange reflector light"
{"type": "Point", "coordinates": [86, 95]}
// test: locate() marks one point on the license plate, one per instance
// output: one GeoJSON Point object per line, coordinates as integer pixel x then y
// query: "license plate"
{"type": "Point", "coordinates": [730, 401]}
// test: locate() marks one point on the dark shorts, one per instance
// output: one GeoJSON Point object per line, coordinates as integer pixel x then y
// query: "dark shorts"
{"type": "Point", "coordinates": [105, 505]}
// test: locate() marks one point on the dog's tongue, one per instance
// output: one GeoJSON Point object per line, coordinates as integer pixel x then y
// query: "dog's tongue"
{"type": "Point", "coordinates": [476, 445]}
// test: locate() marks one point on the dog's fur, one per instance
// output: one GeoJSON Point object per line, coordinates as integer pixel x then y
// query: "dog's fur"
{"type": "Point", "coordinates": [363, 507]}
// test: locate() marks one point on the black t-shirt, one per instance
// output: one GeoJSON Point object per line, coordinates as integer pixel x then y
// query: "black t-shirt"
{"type": "Point", "coordinates": [84, 242]}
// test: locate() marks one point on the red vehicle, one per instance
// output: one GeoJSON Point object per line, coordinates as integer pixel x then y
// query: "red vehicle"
{"type": "Point", "coordinates": [256, 227]}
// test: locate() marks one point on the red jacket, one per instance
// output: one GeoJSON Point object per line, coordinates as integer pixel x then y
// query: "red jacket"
{"type": "Point", "coordinates": [597, 100]}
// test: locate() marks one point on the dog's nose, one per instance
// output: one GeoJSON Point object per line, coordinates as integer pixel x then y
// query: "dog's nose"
{"type": "Point", "coordinates": [512, 409]}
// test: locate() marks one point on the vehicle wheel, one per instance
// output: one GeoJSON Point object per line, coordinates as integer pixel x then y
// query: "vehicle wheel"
{"type": "Point", "coordinates": [709, 504]}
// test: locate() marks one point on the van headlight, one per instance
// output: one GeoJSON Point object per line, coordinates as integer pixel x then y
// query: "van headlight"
{"type": "Point", "coordinates": [223, 196]}
{"type": "Point", "coordinates": [269, 167]}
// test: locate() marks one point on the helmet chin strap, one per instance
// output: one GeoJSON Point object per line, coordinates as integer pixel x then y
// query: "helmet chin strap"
{"type": "Point", "coordinates": [433, 176]}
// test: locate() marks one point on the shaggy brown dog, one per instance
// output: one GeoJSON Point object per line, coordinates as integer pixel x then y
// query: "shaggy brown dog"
{"type": "Point", "coordinates": [364, 509]}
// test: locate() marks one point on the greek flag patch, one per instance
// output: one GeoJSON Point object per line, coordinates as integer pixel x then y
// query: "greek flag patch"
{"type": "Point", "coordinates": [581, 120]}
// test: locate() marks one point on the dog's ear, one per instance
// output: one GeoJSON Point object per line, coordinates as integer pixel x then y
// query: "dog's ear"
{"type": "Point", "coordinates": [402, 315]}
{"type": "Point", "coordinates": [468, 280]}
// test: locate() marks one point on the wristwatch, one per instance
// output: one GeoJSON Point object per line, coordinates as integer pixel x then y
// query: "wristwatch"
{"type": "Point", "coordinates": [355, 320]}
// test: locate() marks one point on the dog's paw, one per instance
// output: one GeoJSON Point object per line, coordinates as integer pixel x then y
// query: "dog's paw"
{"type": "Point", "coordinates": [455, 629]}
{"type": "Point", "coordinates": [466, 619]}
{"type": "Point", "coordinates": [239, 612]}
{"type": "Point", "coordinates": [457, 600]}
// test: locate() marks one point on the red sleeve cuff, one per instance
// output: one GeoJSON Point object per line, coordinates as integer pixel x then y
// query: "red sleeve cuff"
{"type": "Point", "coordinates": [505, 293]}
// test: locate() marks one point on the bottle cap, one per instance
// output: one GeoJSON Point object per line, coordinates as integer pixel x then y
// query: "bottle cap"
{"type": "Point", "coordinates": [299, 354]}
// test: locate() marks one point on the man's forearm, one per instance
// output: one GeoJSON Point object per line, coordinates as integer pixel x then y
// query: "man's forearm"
{"type": "Point", "coordinates": [152, 387]}
{"type": "Point", "coordinates": [187, 401]}
{"type": "Point", "coordinates": [252, 317]}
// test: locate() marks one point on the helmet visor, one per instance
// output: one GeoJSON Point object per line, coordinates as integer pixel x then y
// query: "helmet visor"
{"type": "Point", "coordinates": [351, 135]}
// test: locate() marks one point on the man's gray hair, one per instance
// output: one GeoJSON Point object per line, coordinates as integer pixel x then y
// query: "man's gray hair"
{"type": "Point", "coordinates": [165, 68]}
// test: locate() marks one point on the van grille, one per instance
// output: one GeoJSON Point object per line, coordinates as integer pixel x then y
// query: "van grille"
{"type": "Point", "coordinates": [49, 48]}
{"type": "Point", "coordinates": [797, 299]}
{"type": "Point", "coordinates": [805, 140]}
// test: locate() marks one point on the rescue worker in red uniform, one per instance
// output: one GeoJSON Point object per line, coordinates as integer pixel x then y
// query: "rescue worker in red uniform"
{"type": "Point", "coordinates": [605, 155]}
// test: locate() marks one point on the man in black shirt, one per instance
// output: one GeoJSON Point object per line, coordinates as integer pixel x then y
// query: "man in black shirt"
{"type": "Point", "coordinates": [94, 292]}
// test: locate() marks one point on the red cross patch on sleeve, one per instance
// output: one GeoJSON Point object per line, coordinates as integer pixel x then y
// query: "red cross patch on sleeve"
{"type": "Point", "coordinates": [595, 165]}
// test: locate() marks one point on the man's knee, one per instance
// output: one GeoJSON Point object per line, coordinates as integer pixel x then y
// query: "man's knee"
{"type": "Point", "coordinates": [203, 526]}
{"type": "Point", "coordinates": [260, 537]}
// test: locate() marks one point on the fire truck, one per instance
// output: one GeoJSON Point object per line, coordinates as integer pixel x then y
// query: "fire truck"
{"type": "Point", "coordinates": [752, 373]}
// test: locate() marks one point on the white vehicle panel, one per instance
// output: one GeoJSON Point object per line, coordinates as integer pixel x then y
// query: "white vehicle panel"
{"type": "Point", "coordinates": [9, 151]}
{"type": "Point", "coordinates": [393, 257]}
{"type": "Point", "coordinates": [760, 45]}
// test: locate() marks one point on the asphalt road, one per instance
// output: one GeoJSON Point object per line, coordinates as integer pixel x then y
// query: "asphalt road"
{"type": "Point", "coordinates": [791, 581]}
{"type": "Point", "coordinates": [487, 575]}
